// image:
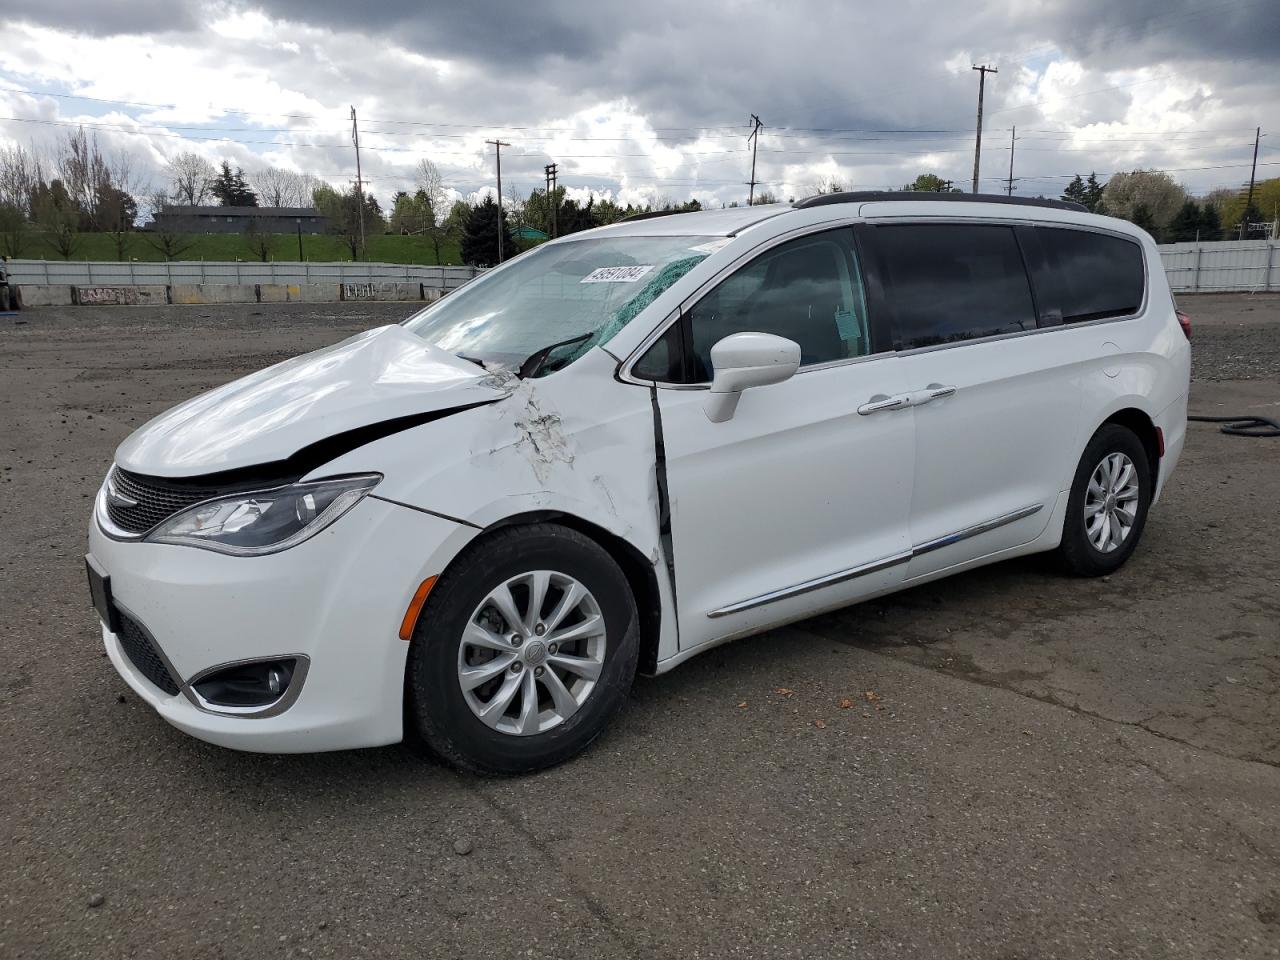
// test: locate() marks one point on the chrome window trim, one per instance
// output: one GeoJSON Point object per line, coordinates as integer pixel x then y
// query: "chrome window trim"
{"type": "Point", "coordinates": [840, 576]}
{"type": "Point", "coordinates": [626, 376]}
{"type": "Point", "coordinates": [1014, 222]}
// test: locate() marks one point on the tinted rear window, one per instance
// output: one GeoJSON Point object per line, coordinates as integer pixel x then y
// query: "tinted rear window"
{"type": "Point", "coordinates": [948, 282]}
{"type": "Point", "coordinates": [1096, 275]}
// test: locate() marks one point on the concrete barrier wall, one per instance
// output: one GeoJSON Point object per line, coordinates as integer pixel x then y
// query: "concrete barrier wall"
{"type": "Point", "coordinates": [382, 290]}
{"type": "Point", "coordinates": [46, 295]}
{"type": "Point", "coordinates": [52, 295]}
{"type": "Point", "coordinates": [118, 296]}
{"type": "Point", "coordinates": [213, 293]}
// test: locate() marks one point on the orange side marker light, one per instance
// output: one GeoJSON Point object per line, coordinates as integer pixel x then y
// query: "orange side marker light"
{"type": "Point", "coordinates": [415, 607]}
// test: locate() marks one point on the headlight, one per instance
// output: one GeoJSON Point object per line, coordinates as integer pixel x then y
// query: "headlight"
{"type": "Point", "coordinates": [266, 521]}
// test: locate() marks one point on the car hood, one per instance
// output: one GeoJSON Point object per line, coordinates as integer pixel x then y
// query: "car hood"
{"type": "Point", "coordinates": [381, 375]}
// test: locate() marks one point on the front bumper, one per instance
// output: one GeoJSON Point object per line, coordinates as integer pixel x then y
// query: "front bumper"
{"type": "Point", "coordinates": [336, 600]}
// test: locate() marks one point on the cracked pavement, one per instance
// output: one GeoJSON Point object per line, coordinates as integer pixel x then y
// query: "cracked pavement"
{"type": "Point", "coordinates": [1006, 764]}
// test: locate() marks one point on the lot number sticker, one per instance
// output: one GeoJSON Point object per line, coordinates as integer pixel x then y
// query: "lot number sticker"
{"type": "Point", "coordinates": [616, 274]}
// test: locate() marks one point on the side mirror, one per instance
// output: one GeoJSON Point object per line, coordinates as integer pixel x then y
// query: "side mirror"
{"type": "Point", "coordinates": [744, 360]}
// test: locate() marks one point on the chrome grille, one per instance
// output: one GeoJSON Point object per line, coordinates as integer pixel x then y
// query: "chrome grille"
{"type": "Point", "coordinates": [154, 499]}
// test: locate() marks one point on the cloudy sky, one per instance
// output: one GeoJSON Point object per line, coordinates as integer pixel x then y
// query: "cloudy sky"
{"type": "Point", "coordinates": [651, 101]}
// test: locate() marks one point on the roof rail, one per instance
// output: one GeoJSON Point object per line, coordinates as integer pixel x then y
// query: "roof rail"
{"type": "Point", "coordinates": [897, 196]}
{"type": "Point", "coordinates": [651, 214]}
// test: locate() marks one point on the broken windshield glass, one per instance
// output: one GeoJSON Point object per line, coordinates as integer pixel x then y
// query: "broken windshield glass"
{"type": "Point", "coordinates": [583, 291]}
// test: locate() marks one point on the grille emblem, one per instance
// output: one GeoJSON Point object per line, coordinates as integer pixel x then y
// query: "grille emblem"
{"type": "Point", "coordinates": [117, 498]}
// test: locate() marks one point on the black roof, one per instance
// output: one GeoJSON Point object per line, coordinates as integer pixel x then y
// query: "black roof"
{"type": "Point", "coordinates": [897, 196]}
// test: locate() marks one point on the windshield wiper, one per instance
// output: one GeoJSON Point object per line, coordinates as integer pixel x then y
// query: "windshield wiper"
{"type": "Point", "coordinates": [476, 360]}
{"type": "Point", "coordinates": [534, 363]}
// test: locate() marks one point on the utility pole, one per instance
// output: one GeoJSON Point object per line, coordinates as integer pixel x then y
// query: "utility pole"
{"type": "Point", "coordinates": [497, 151]}
{"type": "Point", "coordinates": [1013, 137]}
{"type": "Point", "coordinates": [355, 138]}
{"type": "Point", "coordinates": [552, 200]}
{"type": "Point", "coordinates": [754, 137]}
{"type": "Point", "coordinates": [977, 145]}
{"type": "Point", "coordinates": [1253, 172]}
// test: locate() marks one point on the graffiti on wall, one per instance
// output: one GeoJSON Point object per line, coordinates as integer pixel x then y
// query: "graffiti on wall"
{"type": "Point", "coordinates": [100, 296]}
{"type": "Point", "coordinates": [359, 291]}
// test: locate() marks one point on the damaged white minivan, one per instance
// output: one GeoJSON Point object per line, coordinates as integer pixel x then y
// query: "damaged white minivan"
{"type": "Point", "coordinates": [625, 447]}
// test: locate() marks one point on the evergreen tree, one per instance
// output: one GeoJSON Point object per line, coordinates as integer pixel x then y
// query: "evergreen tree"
{"type": "Point", "coordinates": [1250, 215]}
{"type": "Point", "coordinates": [1141, 217]}
{"type": "Point", "coordinates": [1210, 223]}
{"type": "Point", "coordinates": [1093, 193]}
{"type": "Point", "coordinates": [480, 235]}
{"type": "Point", "coordinates": [1076, 192]}
{"type": "Point", "coordinates": [1185, 224]}
{"type": "Point", "coordinates": [231, 189]}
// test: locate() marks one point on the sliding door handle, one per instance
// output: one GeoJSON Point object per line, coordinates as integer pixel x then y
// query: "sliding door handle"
{"type": "Point", "coordinates": [880, 403]}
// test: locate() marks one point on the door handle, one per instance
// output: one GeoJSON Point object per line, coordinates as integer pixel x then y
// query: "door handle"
{"type": "Point", "coordinates": [880, 403]}
{"type": "Point", "coordinates": [934, 391]}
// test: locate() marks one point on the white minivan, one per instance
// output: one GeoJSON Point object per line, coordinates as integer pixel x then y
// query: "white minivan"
{"type": "Point", "coordinates": [625, 447]}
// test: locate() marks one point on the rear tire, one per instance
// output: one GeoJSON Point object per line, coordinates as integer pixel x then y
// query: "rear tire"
{"type": "Point", "coordinates": [4, 299]}
{"type": "Point", "coordinates": [1107, 509]}
{"type": "Point", "coordinates": [551, 683]}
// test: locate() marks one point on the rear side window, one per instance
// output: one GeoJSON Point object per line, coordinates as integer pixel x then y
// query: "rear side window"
{"type": "Point", "coordinates": [1095, 275]}
{"type": "Point", "coordinates": [950, 282]}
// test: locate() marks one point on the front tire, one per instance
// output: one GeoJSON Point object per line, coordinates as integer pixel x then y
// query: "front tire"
{"type": "Point", "coordinates": [1107, 509]}
{"type": "Point", "coordinates": [526, 648]}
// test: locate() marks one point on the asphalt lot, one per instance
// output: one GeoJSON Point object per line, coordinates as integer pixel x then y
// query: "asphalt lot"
{"type": "Point", "coordinates": [1031, 767]}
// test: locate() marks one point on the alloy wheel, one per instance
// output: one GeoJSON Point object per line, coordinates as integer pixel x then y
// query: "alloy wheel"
{"type": "Point", "coordinates": [1111, 502]}
{"type": "Point", "coordinates": [532, 653]}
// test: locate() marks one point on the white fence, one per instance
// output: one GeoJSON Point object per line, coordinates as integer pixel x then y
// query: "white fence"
{"type": "Point", "coordinates": [135, 273]}
{"type": "Point", "coordinates": [1252, 265]}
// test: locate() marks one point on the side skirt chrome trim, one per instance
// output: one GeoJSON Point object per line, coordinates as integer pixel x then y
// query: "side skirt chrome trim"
{"type": "Point", "coordinates": [818, 583]}
{"type": "Point", "coordinates": [875, 566]}
{"type": "Point", "coordinates": [978, 528]}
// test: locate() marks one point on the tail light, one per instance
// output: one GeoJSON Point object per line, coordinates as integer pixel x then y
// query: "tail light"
{"type": "Point", "coordinates": [1184, 321]}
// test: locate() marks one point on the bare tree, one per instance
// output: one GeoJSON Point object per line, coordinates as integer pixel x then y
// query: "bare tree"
{"type": "Point", "coordinates": [168, 242]}
{"type": "Point", "coordinates": [257, 236]}
{"type": "Point", "coordinates": [431, 188]}
{"type": "Point", "coordinates": [81, 168]}
{"type": "Point", "coordinates": [282, 188]}
{"type": "Point", "coordinates": [117, 209]}
{"type": "Point", "coordinates": [19, 173]}
{"type": "Point", "coordinates": [189, 177]}
{"type": "Point", "coordinates": [13, 230]}
{"type": "Point", "coordinates": [56, 213]}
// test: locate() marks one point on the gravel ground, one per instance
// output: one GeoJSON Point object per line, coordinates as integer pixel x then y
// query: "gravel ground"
{"type": "Point", "coordinates": [1028, 766]}
{"type": "Point", "coordinates": [1234, 335]}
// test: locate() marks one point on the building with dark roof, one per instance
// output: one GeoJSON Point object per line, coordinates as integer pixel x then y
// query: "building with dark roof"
{"type": "Point", "coordinates": [172, 218]}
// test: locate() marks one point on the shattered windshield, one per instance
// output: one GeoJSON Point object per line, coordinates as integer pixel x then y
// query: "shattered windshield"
{"type": "Point", "coordinates": [583, 291]}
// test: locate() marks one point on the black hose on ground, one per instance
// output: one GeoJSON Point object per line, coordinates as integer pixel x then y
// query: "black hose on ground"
{"type": "Point", "coordinates": [1244, 426]}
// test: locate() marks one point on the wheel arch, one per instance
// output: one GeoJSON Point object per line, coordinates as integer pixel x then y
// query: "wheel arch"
{"type": "Point", "coordinates": [1141, 425]}
{"type": "Point", "coordinates": [640, 573]}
